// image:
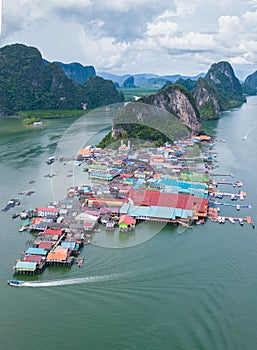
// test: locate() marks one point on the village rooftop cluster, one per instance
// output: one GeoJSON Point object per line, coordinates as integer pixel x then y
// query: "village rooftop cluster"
{"type": "Point", "coordinates": [171, 185]}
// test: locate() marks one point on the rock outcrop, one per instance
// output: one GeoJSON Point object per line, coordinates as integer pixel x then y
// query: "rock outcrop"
{"type": "Point", "coordinates": [177, 100]}
{"type": "Point", "coordinates": [229, 90]}
{"type": "Point", "coordinates": [129, 83]}
{"type": "Point", "coordinates": [206, 100]}
{"type": "Point", "coordinates": [250, 84]}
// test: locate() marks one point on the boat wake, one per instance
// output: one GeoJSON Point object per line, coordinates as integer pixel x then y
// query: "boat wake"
{"type": "Point", "coordinates": [72, 281]}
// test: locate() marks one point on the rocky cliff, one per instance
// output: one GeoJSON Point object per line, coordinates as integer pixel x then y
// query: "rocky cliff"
{"type": "Point", "coordinates": [177, 100]}
{"type": "Point", "coordinates": [129, 83]}
{"type": "Point", "coordinates": [229, 90]}
{"type": "Point", "coordinates": [250, 84]}
{"type": "Point", "coordinates": [206, 100]}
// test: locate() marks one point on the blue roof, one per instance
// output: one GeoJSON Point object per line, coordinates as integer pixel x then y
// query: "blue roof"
{"type": "Point", "coordinates": [36, 251]}
{"type": "Point", "coordinates": [183, 184]}
{"type": "Point", "coordinates": [69, 245]}
{"type": "Point", "coordinates": [168, 213]}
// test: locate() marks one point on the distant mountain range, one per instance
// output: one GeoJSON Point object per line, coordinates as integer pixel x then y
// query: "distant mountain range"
{"type": "Point", "coordinates": [28, 82]}
{"type": "Point", "coordinates": [147, 79]}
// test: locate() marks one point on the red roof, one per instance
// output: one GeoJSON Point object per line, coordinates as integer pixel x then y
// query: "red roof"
{"type": "Point", "coordinates": [128, 220]}
{"type": "Point", "coordinates": [45, 245]}
{"type": "Point", "coordinates": [124, 176]}
{"type": "Point", "coordinates": [171, 200]}
{"type": "Point", "coordinates": [33, 258]}
{"type": "Point", "coordinates": [52, 232]}
{"type": "Point", "coordinates": [53, 210]}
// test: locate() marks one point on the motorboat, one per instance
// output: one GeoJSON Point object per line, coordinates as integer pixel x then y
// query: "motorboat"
{"type": "Point", "coordinates": [14, 216]}
{"type": "Point", "coordinates": [15, 283]}
{"type": "Point", "coordinates": [231, 220]}
{"type": "Point", "coordinates": [50, 160]}
{"type": "Point", "coordinates": [11, 203]}
{"type": "Point", "coordinates": [241, 221]}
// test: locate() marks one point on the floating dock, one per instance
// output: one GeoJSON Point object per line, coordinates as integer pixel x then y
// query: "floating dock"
{"type": "Point", "coordinates": [213, 215]}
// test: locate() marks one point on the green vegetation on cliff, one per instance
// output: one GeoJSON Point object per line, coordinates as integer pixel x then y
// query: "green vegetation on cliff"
{"type": "Point", "coordinates": [143, 122]}
{"type": "Point", "coordinates": [101, 92]}
{"type": "Point", "coordinates": [140, 135]}
{"type": "Point", "coordinates": [250, 84]}
{"type": "Point", "coordinates": [206, 98]}
{"type": "Point", "coordinates": [207, 110]}
{"type": "Point", "coordinates": [27, 83]}
{"type": "Point", "coordinates": [229, 90]}
{"type": "Point", "coordinates": [187, 83]}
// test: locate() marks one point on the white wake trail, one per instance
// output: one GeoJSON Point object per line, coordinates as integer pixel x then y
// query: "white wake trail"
{"type": "Point", "coordinates": [89, 279]}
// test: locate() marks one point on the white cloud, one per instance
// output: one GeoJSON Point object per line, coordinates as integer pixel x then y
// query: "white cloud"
{"type": "Point", "coordinates": [130, 36]}
{"type": "Point", "coordinates": [164, 29]}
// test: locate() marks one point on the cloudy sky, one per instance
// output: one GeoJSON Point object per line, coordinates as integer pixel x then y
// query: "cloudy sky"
{"type": "Point", "coordinates": [137, 36]}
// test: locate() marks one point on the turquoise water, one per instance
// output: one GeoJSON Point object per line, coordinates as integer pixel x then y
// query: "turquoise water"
{"type": "Point", "coordinates": [181, 289]}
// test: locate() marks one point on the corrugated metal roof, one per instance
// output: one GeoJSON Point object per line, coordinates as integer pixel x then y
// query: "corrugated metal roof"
{"type": "Point", "coordinates": [56, 257]}
{"type": "Point", "coordinates": [36, 251]}
{"type": "Point", "coordinates": [33, 258]}
{"type": "Point", "coordinates": [156, 212]}
{"type": "Point", "coordinates": [52, 232]}
{"type": "Point", "coordinates": [46, 209]}
{"type": "Point", "coordinates": [26, 266]}
{"type": "Point", "coordinates": [162, 199]}
{"type": "Point", "coordinates": [69, 245]}
{"type": "Point", "coordinates": [45, 245]}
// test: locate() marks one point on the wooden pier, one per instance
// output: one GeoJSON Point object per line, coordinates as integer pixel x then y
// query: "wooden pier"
{"type": "Point", "coordinates": [241, 195]}
{"type": "Point", "coordinates": [224, 175]}
{"type": "Point", "coordinates": [213, 215]}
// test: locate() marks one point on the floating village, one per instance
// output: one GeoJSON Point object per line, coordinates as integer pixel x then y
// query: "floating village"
{"type": "Point", "coordinates": [176, 184]}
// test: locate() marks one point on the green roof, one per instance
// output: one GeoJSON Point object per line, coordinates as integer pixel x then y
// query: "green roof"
{"type": "Point", "coordinates": [25, 266]}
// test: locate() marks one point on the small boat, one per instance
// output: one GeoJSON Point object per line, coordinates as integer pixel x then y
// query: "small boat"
{"type": "Point", "coordinates": [37, 123]}
{"type": "Point", "coordinates": [233, 197]}
{"type": "Point", "coordinates": [11, 203]}
{"type": "Point", "coordinates": [80, 262]}
{"type": "Point", "coordinates": [29, 193]}
{"type": "Point", "coordinates": [14, 216]}
{"type": "Point", "coordinates": [23, 228]}
{"type": "Point", "coordinates": [15, 283]}
{"type": "Point", "coordinates": [50, 160]}
{"type": "Point", "coordinates": [238, 207]}
{"type": "Point", "coordinates": [241, 222]}
{"type": "Point", "coordinates": [49, 175]}
{"type": "Point", "coordinates": [222, 220]}
{"type": "Point", "coordinates": [231, 220]}
{"type": "Point", "coordinates": [110, 226]}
